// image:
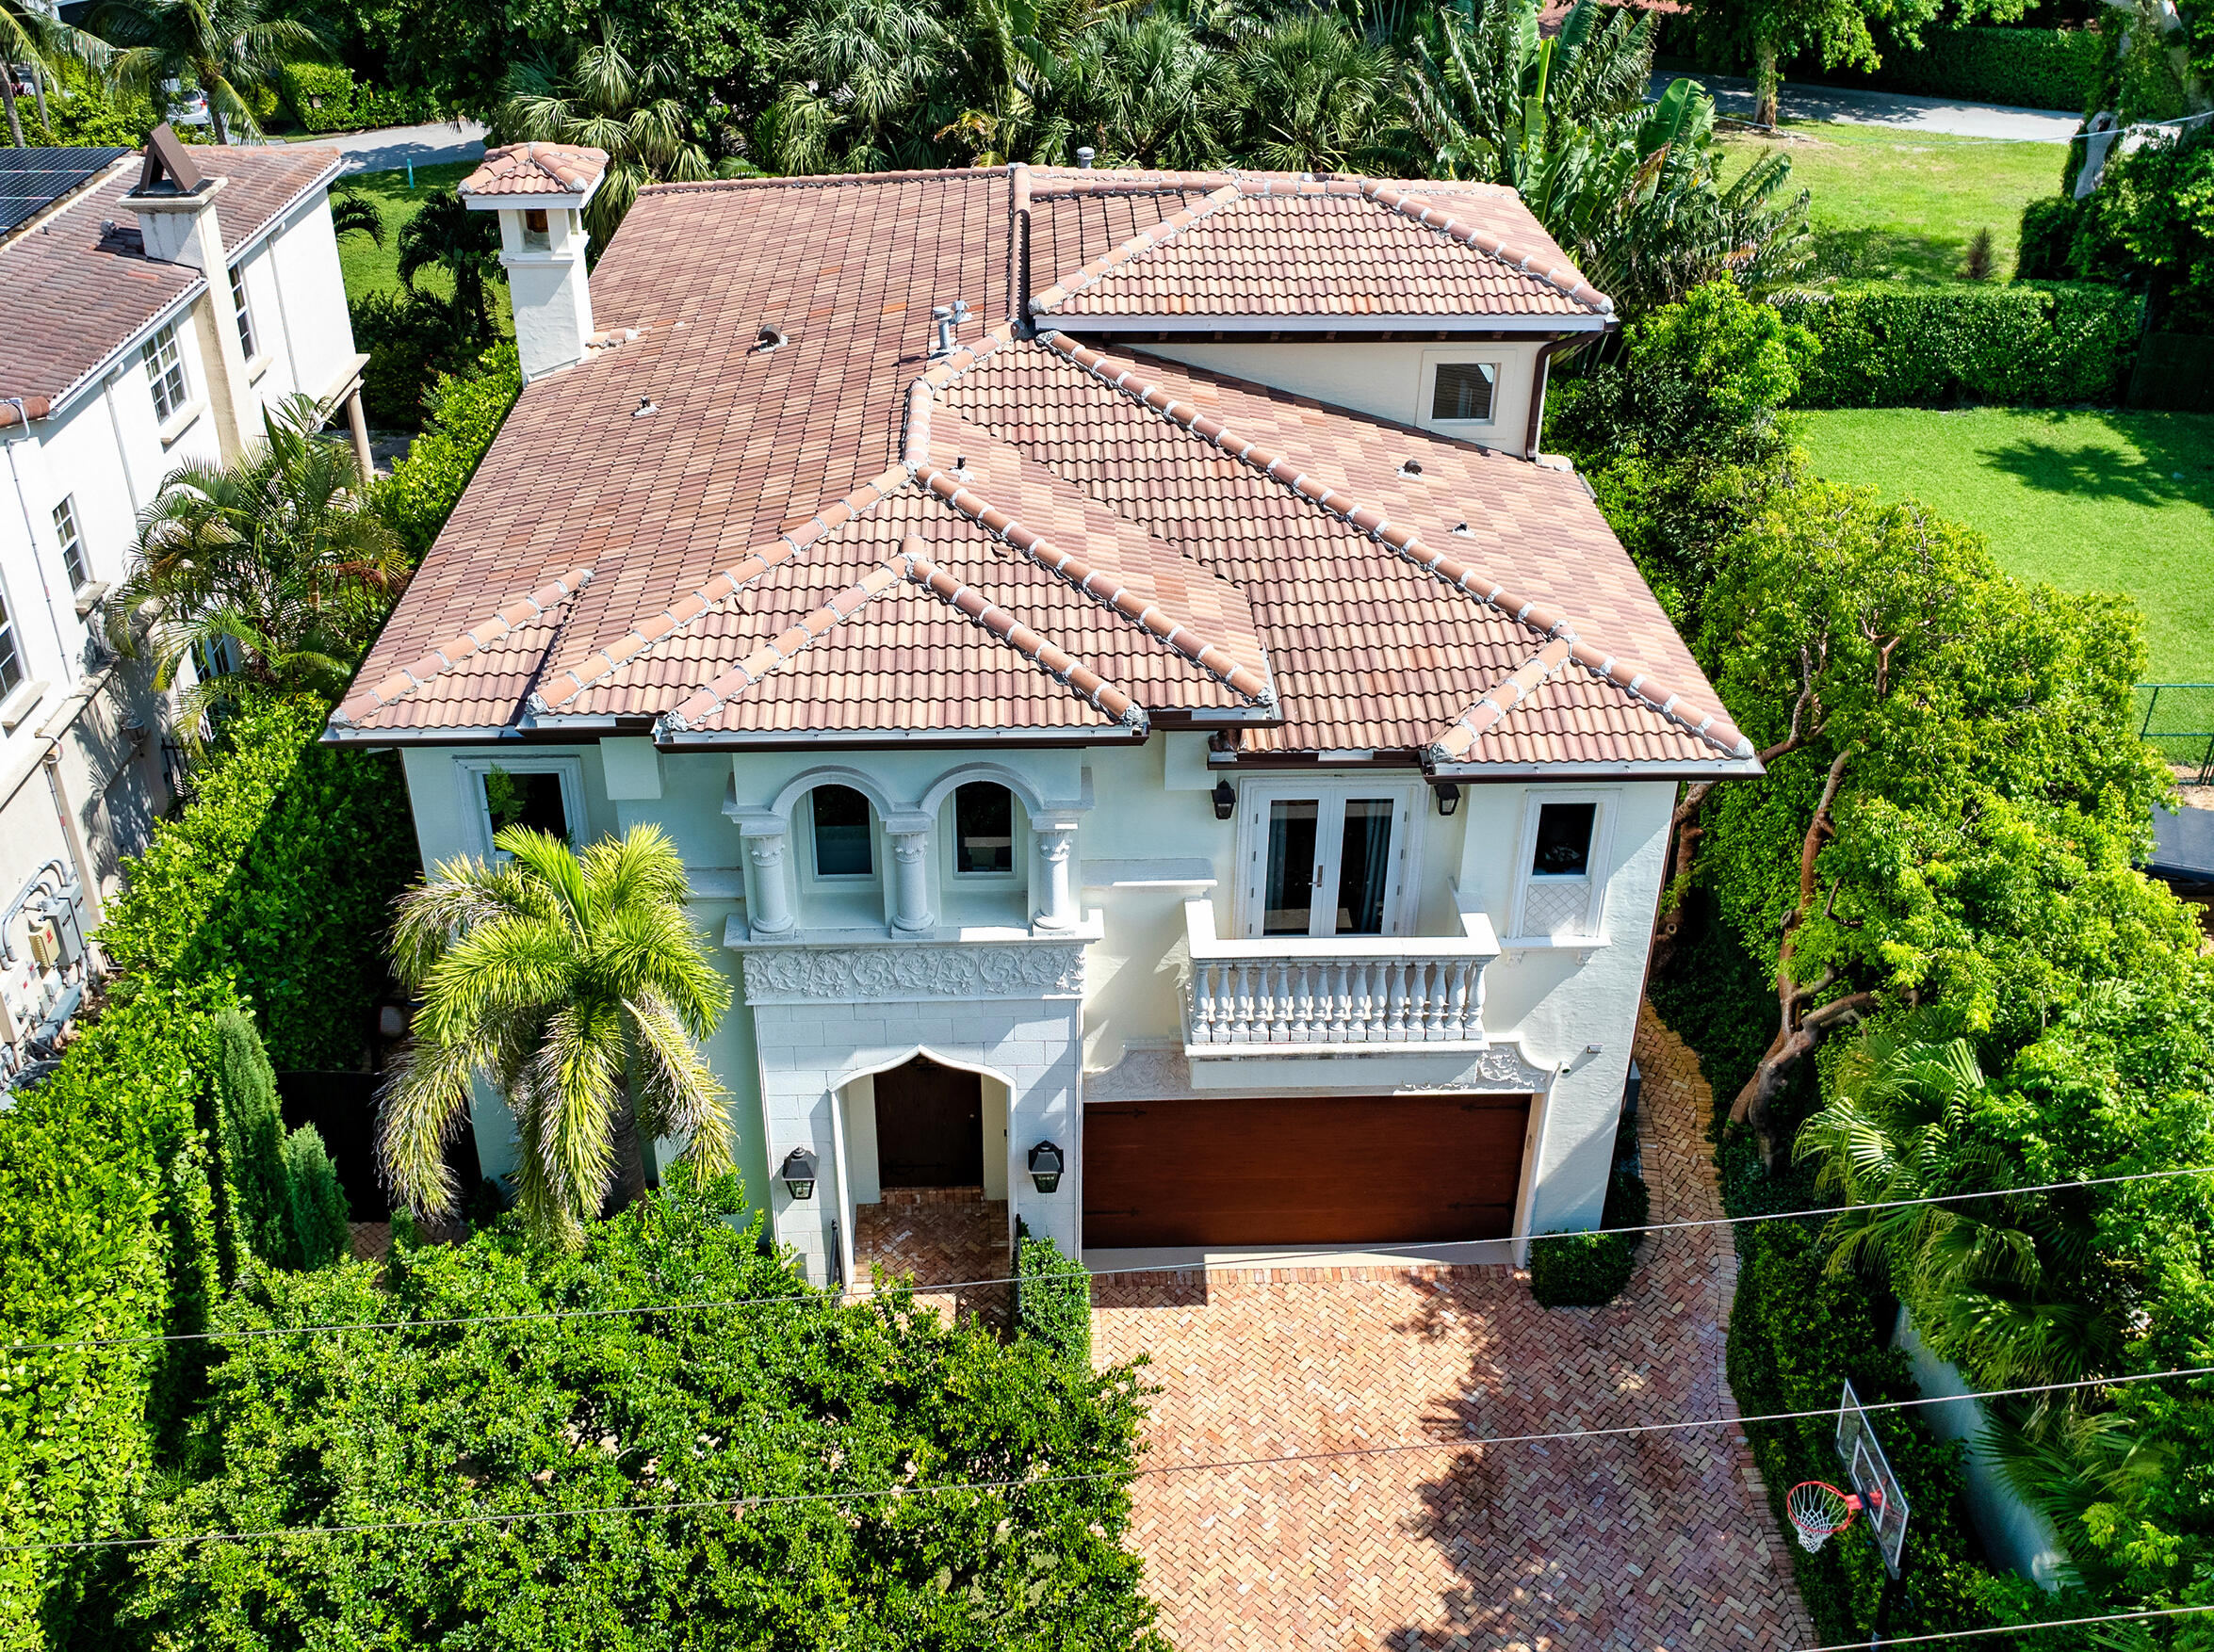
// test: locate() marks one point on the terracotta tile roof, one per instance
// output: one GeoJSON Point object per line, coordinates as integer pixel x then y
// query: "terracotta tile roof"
{"type": "Point", "coordinates": [837, 534]}
{"type": "Point", "coordinates": [72, 292]}
{"type": "Point", "coordinates": [536, 168]}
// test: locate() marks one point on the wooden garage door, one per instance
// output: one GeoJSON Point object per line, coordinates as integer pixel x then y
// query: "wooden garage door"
{"type": "Point", "coordinates": [1335, 1170]}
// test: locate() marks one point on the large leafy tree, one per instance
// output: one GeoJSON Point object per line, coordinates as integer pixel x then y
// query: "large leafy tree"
{"type": "Point", "coordinates": [231, 48]}
{"type": "Point", "coordinates": [1770, 33]}
{"type": "Point", "coordinates": [577, 987]}
{"type": "Point", "coordinates": [276, 553]}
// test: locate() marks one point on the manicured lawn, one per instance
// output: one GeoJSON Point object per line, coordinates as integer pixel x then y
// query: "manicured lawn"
{"type": "Point", "coordinates": [2107, 501]}
{"type": "Point", "coordinates": [369, 266]}
{"type": "Point", "coordinates": [1896, 205]}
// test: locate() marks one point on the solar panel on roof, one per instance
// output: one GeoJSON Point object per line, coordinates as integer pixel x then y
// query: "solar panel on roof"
{"type": "Point", "coordinates": [32, 180]}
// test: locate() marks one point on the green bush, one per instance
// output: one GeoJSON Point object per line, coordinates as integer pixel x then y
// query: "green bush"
{"type": "Point", "coordinates": [1579, 1270]}
{"type": "Point", "coordinates": [314, 1204]}
{"type": "Point", "coordinates": [2036, 68]}
{"type": "Point", "coordinates": [742, 1420]}
{"type": "Point", "coordinates": [280, 875]}
{"type": "Point", "coordinates": [1054, 1300]}
{"type": "Point", "coordinates": [2032, 344]}
{"type": "Point", "coordinates": [466, 412]}
{"type": "Point", "coordinates": [252, 1205]}
{"type": "Point", "coordinates": [320, 95]}
{"type": "Point", "coordinates": [1628, 1203]}
{"type": "Point", "coordinates": [107, 1228]}
{"type": "Point", "coordinates": [2048, 229]}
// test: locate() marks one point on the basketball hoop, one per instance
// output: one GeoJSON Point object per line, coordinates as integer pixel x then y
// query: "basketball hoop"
{"type": "Point", "coordinates": [1819, 1511]}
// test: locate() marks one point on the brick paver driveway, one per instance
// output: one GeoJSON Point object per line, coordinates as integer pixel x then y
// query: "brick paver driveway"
{"type": "Point", "coordinates": [1646, 1543]}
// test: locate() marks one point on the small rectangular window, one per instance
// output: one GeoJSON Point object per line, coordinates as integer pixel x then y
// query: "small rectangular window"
{"type": "Point", "coordinates": [10, 657]}
{"type": "Point", "coordinates": [72, 543]}
{"type": "Point", "coordinates": [983, 829]}
{"type": "Point", "coordinates": [524, 800]}
{"type": "Point", "coordinates": [165, 372]}
{"type": "Point", "coordinates": [1464, 391]}
{"type": "Point", "coordinates": [245, 313]}
{"type": "Point", "coordinates": [1564, 840]}
{"type": "Point", "coordinates": [536, 231]}
{"type": "Point", "coordinates": [842, 839]}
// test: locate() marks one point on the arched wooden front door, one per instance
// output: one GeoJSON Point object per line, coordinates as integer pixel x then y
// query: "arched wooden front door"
{"type": "Point", "coordinates": [929, 1126]}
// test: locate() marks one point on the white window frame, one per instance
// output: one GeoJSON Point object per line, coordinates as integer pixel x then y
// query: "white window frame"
{"type": "Point", "coordinates": [477, 814]}
{"type": "Point", "coordinates": [1432, 361]}
{"type": "Point", "coordinates": [12, 654]}
{"type": "Point", "coordinates": [70, 535]}
{"type": "Point", "coordinates": [949, 831]}
{"type": "Point", "coordinates": [164, 361]}
{"type": "Point", "coordinates": [837, 882]}
{"type": "Point", "coordinates": [1254, 797]}
{"type": "Point", "coordinates": [243, 305]}
{"type": "Point", "coordinates": [1598, 860]}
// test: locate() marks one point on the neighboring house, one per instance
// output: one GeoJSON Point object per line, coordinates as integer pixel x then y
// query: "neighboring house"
{"type": "Point", "coordinates": [1185, 724]}
{"type": "Point", "coordinates": [120, 360]}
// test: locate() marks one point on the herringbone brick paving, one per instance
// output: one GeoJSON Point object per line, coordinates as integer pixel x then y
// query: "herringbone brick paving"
{"type": "Point", "coordinates": [1654, 1543]}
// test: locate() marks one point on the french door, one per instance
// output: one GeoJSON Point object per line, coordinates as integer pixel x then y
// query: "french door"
{"type": "Point", "coordinates": [1326, 860]}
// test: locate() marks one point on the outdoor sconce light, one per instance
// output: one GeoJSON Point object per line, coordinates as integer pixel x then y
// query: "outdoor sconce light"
{"type": "Point", "coordinates": [1044, 1166]}
{"type": "Point", "coordinates": [1226, 800]}
{"type": "Point", "coordinates": [799, 1172]}
{"type": "Point", "coordinates": [1448, 797]}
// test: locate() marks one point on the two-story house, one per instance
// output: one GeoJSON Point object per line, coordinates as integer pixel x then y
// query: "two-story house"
{"type": "Point", "coordinates": [150, 307]}
{"type": "Point", "coordinates": [1156, 743]}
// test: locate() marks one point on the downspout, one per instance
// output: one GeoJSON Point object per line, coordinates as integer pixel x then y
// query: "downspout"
{"type": "Point", "coordinates": [1543, 375]}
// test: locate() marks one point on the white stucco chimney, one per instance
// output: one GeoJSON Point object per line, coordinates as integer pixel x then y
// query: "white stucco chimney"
{"type": "Point", "coordinates": [540, 191]}
{"type": "Point", "coordinates": [174, 203]}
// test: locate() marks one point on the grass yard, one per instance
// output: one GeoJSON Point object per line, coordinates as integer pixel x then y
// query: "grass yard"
{"type": "Point", "coordinates": [1893, 205]}
{"type": "Point", "coordinates": [2105, 501]}
{"type": "Point", "coordinates": [370, 267]}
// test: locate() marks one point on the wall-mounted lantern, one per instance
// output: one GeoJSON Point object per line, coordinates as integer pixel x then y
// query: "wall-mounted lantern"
{"type": "Point", "coordinates": [1226, 800]}
{"type": "Point", "coordinates": [1046, 1166]}
{"type": "Point", "coordinates": [1448, 796]}
{"type": "Point", "coordinates": [799, 1174]}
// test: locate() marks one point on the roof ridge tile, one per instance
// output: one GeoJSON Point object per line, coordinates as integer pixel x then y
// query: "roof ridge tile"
{"type": "Point", "coordinates": [1400, 199]}
{"type": "Point", "coordinates": [780, 649]}
{"type": "Point", "coordinates": [510, 615]}
{"type": "Point", "coordinates": [1500, 699]}
{"type": "Point", "coordinates": [1142, 242]}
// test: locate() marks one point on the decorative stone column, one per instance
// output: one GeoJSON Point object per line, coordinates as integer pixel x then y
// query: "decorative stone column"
{"type": "Point", "coordinates": [770, 910]}
{"type": "Point", "coordinates": [910, 835]}
{"type": "Point", "coordinates": [1056, 896]}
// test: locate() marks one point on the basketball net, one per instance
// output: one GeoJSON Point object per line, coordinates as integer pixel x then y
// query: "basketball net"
{"type": "Point", "coordinates": [1819, 1511]}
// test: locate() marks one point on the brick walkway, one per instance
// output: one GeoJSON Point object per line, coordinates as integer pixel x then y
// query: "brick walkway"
{"type": "Point", "coordinates": [1657, 1543]}
{"type": "Point", "coordinates": [931, 1235]}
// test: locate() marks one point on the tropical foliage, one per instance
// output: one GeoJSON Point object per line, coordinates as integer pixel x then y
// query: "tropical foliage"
{"type": "Point", "coordinates": [576, 987]}
{"type": "Point", "coordinates": [40, 41]}
{"type": "Point", "coordinates": [234, 50]}
{"type": "Point", "coordinates": [446, 236]}
{"type": "Point", "coordinates": [275, 553]}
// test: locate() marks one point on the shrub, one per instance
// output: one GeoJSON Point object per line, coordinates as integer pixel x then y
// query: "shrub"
{"type": "Point", "coordinates": [315, 1205]}
{"type": "Point", "coordinates": [2048, 229]}
{"type": "Point", "coordinates": [322, 96]}
{"type": "Point", "coordinates": [279, 876]}
{"type": "Point", "coordinates": [1628, 1204]}
{"type": "Point", "coordinates": [412, 338]}
{"type": "Point", "coordinates": [252, 1204]}
{"type": "Point", "coordinates": [466, 412]}
{"type": "Point", "coordinates": [2028, 344]}
{"type": "Point", "coordinates": [1054, 1300]}
{"type": "Point", "coordinates": [1579, 1270]}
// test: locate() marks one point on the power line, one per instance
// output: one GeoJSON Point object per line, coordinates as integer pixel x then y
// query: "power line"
{"type": "Point", "coordinates": [739, 1504]}
{"type": "Point", "coordinates": [2059, 1623]}
{"type": "Point", "coordinates": [939, 1288]}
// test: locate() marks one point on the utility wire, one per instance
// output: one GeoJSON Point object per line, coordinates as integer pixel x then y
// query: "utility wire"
{"type": "Point", "coordinates": [739, 1504]}
{"type": "Point", "coordinates": [2059, 1623]}
{"type": "Point", "coordinates": [1258, 1259]}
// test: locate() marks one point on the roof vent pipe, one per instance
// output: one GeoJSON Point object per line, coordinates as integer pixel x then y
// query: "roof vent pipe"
{"type": "Point", "coordinates": [949, 318]}
{"type": "Point", "coordinates": [1084, 157]}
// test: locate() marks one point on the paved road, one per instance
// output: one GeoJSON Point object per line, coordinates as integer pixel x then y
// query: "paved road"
{"type": "Point", "coordinates": [1892, 108]}
{"type": "Point", "coordinates": [393, 147]}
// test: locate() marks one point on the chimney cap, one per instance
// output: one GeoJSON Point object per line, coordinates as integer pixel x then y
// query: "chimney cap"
{"type": "Point", "coordinates": [167, 170]}
{"type": "Point", "coordinates": [535, 174]}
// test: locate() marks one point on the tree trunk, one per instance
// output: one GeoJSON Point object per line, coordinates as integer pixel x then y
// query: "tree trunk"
{"type": "Point", "coordinates": [7, 97]}
{"type": "Point", "coordinates": [1765, 82]}
{"type": "Point", "coordinates": [628, 1186]}
{"type": "Point", "coordinates": [38, 91]}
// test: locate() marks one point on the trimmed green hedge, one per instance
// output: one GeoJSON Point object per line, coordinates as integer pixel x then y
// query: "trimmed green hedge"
{"type": "Point", "coordinates": [107, 1228]}
{"type": "Point", "coordinates": [1054, 1300]}
{"type": "Point", "coordinates": [1579, 1270]}
{"type": "Point", "coordinates": [2026, 344]}
{"type": "Point", "coordinates": [465, 415]}
{"type": "Point", "coordinates": [2036, 68]}
{"type": "Point", "coordinates": [324, 97]}
{"type": "Point", "coordinates": [280, 875]}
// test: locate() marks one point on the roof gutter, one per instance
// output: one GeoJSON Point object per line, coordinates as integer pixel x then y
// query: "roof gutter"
{"type": "Point", "coordinates": [1080, 321]}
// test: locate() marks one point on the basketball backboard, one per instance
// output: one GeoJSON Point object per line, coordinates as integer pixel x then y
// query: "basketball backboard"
{"type": "Point", "coordinates": [1883, 1505]}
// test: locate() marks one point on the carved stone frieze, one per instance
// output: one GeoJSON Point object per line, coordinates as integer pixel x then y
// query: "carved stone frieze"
{"type": "Point", "coordinates": [857, 974]}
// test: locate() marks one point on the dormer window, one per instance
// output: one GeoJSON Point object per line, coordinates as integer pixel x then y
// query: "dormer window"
{"type": "Point", "coordinates": [1461, 392]}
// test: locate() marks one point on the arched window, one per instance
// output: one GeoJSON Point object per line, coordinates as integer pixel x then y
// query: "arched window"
{"type": "Point", "coordinates": [843, 837]}
{"type": "Point", "coordinates": [983, 830]}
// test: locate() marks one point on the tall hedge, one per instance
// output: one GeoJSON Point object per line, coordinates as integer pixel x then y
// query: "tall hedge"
{"type": "Point", "coordinates": [106, 1228]}
{"type": "Point", "coordinates": [1054, 1300]}
{"type": "Point", "coordinates": [2036, 68]}
{"type": "Point", "coordinates": [466, 414]}
{"type": "Point", "coordinates": [280, 875]}
{"type": "Point", "coordinates": [2024, 344]}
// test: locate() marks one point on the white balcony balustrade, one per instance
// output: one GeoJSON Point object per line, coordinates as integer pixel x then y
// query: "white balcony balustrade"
{"type": "Point", "coordinates": [1364, 992]}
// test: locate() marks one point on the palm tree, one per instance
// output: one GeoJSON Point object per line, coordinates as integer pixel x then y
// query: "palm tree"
{"type": "Point", "coordinates": [275, 553]}
{"type": "Point", "coordinates": [577, 987]}
{"type": "Point", "coordinates": [28, 35]}
{"type": "Point", "coordinates": [230, 47]}
{"type": "Point", "coordinates": [1316, 98]}
{"type": "Point", "coordinates": [354, 212]}
{"type": "Point", "coordinates": [1486, 89]}
{"type": "Point", "coordinates": [606, 99]}
{"type": "Point", "coordinates": [1142, 91]}
{"type": "Point", "coordinates": [863, 77]}
{"type": "Point", "coordinates": [465, 244]}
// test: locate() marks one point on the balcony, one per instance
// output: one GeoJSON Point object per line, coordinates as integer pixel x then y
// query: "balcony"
{"type": "Point", "coordinates": [1349, 993]}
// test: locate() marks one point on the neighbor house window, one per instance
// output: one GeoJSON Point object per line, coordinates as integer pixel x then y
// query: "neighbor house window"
{"type": "Point", "coordinates": [10, 657]}
{"type": "Point", "coordinates": [1564, 840]}
{"type": "Point", "coordinates": [72, 543]}
{"type": "Point", "coordinates": [244, 312]}
{"type": "Point", "coordinates": [524, 800]}
{"type": "Point", "coordinates": [844, 846]}
{"type": "Point", "coordinates": [165, 372]}
{"type": "Point", "coordinates": [983, 829]}
{"type": "Point", "coordinates": [1464, 391]}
